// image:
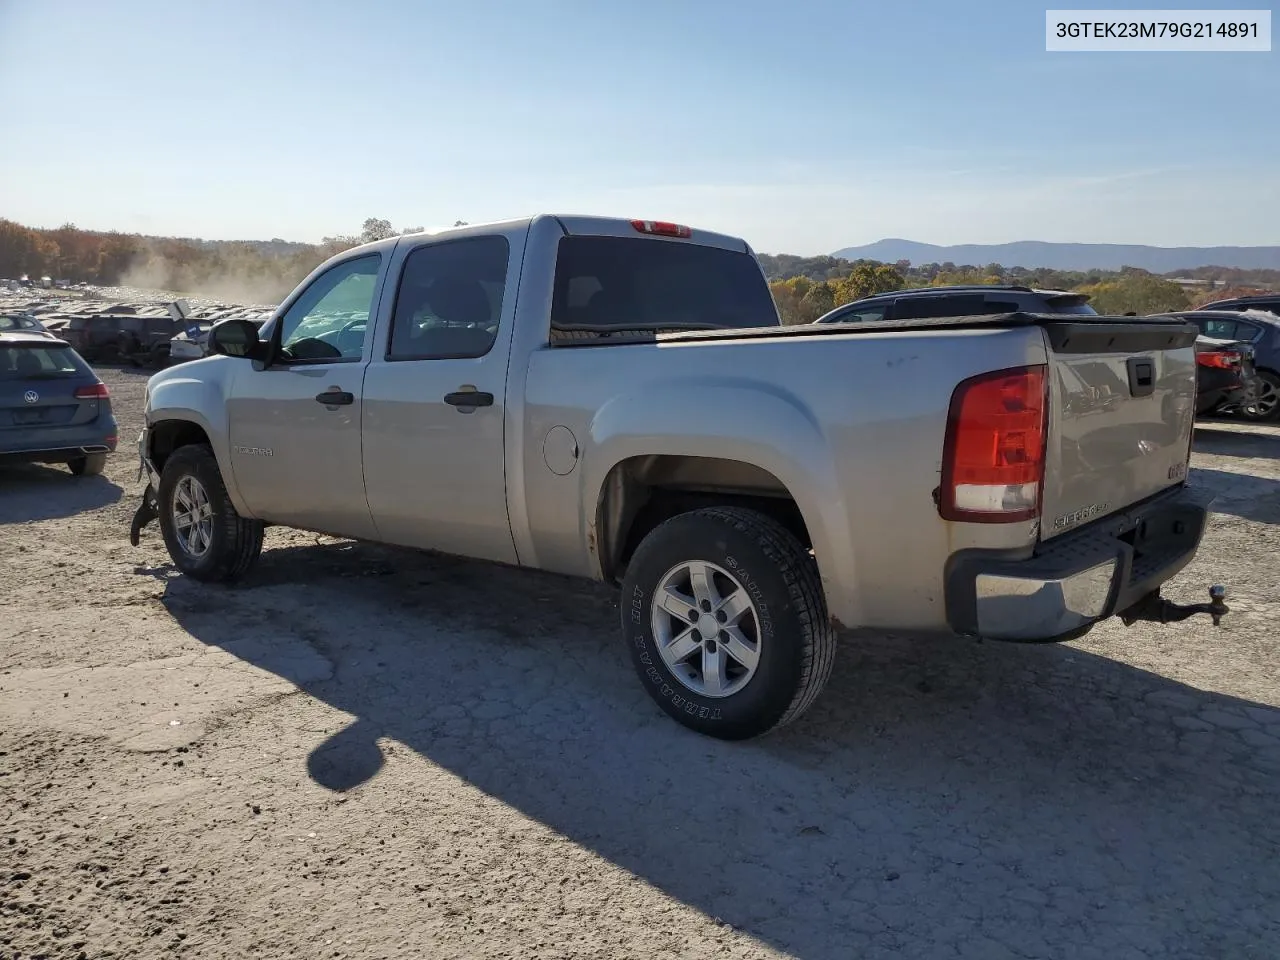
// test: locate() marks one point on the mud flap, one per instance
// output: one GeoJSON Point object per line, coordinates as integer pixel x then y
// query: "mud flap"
{"type": "Point", "coordinates": [147, 511]}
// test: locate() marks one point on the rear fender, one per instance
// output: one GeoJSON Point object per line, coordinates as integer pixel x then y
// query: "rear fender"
{"type": "Point", "coordinates": [731, 419]}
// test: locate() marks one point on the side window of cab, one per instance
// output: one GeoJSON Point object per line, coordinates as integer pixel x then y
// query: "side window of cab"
{"type": "Point", "coordinates": [328, 322]}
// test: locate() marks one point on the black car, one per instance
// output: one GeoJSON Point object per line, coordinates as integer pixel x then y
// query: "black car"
{"type": "Point", "coordinates": [1268, 302]}
{"type": "Point", "coordinates": [1225, 377]}
{"type": "Point", "coordinates": [1261, 331]}
{"type": "Point", "coordinates": [958, 301]}
{"type": "Point", "coordinates": [53, 407]}
{"type": "Point", "coordinates": [123, 336]}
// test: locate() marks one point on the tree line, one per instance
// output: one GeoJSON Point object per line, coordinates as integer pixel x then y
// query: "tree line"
{"type": "Point", "coordinates": [803, 287]}
{"type": "Point", "coordinates": [246, 271]}
{"type": "Point", "coordinates": [807, 287]}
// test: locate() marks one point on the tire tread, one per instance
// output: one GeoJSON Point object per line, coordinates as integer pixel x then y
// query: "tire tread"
{"type": "Point", "coordinates": [804, 587]}
{"type": "Point", "coordinates": [243, 535]}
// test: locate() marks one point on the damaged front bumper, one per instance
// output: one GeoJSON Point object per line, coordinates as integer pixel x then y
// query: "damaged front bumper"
{"type": "Point", "coordinates": [148, 509]}
{"type": "Point", "coordinates": [1115, 566]}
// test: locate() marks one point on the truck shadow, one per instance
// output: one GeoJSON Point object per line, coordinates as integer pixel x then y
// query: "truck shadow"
{"type": "Point", "coordinates": [33, 491]}
{"type": "Point", "coordinates": [1225, 442]}
{"type": "Point", "coordinates": [1241, 494]}
{"type": "Point", "coordinates": [1030, 801]}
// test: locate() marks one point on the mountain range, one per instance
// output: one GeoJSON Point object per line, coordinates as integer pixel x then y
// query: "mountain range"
{"type": "Point", "coordinates": [1068, 256]}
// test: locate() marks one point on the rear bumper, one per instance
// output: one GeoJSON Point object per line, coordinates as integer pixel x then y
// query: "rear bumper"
{"type": "Point", "coordinates": [60, 445]}
{"type": "Point", "coordinates": [1079, 578]}
{"type": "Point", "coordinates": [1217, 387]}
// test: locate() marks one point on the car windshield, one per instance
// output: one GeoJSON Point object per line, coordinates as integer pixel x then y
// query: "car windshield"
{"type": "Point", "coordinates": [27, 362]}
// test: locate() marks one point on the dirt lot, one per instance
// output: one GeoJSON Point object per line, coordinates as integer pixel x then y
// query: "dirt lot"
{"type": "Point", "coordinates": [370, 753]}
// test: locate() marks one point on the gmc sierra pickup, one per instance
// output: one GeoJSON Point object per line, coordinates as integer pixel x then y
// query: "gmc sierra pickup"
{"type": "Point", "coordinates": [616, 399]}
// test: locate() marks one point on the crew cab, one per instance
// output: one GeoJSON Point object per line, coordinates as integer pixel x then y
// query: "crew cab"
{"type": "Point", "coordinates": [617, 400]}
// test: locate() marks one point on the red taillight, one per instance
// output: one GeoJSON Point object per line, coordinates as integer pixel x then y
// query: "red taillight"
{"type": "Point", "coordinates": [661, 228]}
{"type": "Point", "coordinates": [94, 391]}
{"type": "Point", "coordinates": [1219, 360]}
{"type": "Point", "coordinates": [993, 457]}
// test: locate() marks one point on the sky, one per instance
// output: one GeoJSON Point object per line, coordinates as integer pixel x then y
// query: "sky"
{"type": "Point", "coordinates": [804, 126]}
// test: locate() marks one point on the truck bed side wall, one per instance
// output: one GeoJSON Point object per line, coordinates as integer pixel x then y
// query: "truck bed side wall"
{"type": "Point", "coordinates": [851, 426]}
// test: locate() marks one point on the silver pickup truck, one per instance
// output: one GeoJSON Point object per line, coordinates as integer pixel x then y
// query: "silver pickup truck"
{"type": "Point", "coordinates": [616, 400]}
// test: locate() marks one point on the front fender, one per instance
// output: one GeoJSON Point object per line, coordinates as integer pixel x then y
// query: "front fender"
{"type": "Point", "coordinates": [195, 393]}
{"type": "Point", "coordinates": [732, 418]}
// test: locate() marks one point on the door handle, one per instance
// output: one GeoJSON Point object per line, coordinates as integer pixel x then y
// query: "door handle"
{"type": "Point", "coordinates": [469, 398]}
{"type": "Point", "coordinates": [335, 398]}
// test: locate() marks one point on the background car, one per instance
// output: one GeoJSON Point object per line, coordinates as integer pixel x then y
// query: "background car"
{"type": "Point", "coordinates": [958, 301]}
{"type": "Point", "coordinates": [191, 344]}
{"type": "Point", "coordinates": [22, 322]}
{"type": "Point", "coordinates": [1225, 376]}
{"type": "Point", "coordinates": [1259, 329]}
{"type": "Point", "coordinates": [123, 336]}
{"type": "Point", "coordinates": [1268, 302]}
{"type": "Point", "coordinates": [53, 407]}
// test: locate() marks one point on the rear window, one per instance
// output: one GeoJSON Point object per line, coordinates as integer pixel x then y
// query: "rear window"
{"type": "Point", "coordinates": [40, 363]}
{"type": "Point", "coordinates": [918, 308]}
{"type": "Point", "coordinates": [10, 322]}
{"type": "Point", "coordinates": [624, 283]}
{"type": "Point", "coordinates": [1078, 305]}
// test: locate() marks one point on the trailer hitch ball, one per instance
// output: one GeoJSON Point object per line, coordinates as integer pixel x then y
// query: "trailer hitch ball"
{"type": "Point", "coordinates": [1156, 609]}
{"type": "Point", "coordinates": [1217, 605]}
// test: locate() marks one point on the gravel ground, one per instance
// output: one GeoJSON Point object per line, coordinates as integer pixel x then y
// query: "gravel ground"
{"type": "Point", "coordinates": [365, 752]}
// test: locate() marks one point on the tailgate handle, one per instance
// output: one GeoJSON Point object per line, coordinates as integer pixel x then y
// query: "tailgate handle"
{"type": "Point", "coordinates": [1142, 376]}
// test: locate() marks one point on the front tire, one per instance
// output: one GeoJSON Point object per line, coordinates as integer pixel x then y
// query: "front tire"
{"type": "Point", "coordinates": [207, 540]}
{"type": "Point", "coordinates": [725, 618]}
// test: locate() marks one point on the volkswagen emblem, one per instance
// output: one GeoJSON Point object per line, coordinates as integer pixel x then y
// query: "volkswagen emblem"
{"type": "Point", "coordinates": [31, 396]}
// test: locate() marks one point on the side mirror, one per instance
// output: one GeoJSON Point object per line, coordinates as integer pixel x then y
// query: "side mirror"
{"type": "Point", "coordinates": [236, 338]}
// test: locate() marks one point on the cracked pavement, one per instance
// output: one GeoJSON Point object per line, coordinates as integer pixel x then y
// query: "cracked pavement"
{"type": "Point", "coordinates": [374, 753]}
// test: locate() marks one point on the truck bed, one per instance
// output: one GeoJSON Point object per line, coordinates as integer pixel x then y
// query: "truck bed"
{"type": "Point", "coordinates": [1066, 328]}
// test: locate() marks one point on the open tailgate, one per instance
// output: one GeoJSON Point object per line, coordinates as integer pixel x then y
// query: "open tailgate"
{"type": "Point", "coordinates": [1121, 410]}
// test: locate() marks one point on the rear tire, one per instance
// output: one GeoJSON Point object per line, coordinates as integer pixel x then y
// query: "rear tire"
{"type": "Point", "coordinates": [1266, 409]}
{"type": "Point", "coordinates": [737, 562]}
{"type": "Point", "coordinates": [90, 465]}
{"type": "Point", "coordinates": [207, 540]}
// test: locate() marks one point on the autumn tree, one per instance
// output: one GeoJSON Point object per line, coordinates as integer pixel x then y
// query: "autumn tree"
{"type": "Point", "coordinates": [866, 280]}
{"type": "Point", "coordinates": [375, 229]}
{"type": "Point", "coordinates": [1135, 291]}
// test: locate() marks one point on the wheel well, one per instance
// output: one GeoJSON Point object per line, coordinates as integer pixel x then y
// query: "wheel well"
{"type": "Point", "coordinates": [642, 492]}
{"type": "Point", "coordinates": [168, 435]}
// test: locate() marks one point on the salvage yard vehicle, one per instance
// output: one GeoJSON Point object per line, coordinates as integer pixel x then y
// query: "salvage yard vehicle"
{"type": "Point", "coordinates": [1261, 330]}
{"type": "Point", "coordinates": [1225, 375]}
{"type": "Point", "coordinates": [20, 321]}
{"type": "Point", "coordinates": [119, 334]}
{"type": "Point", "coordinates": [53, 407]}
{"type": "Point", "coordinates": [617, 400]}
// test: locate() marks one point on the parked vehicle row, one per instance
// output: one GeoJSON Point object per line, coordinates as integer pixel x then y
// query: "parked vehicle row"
{"type": "Point", "coordinates": [618, 400]}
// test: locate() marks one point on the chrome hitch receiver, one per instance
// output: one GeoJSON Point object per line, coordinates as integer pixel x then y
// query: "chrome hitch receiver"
{"type": "Point", "coordinates": [1156, 609]}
